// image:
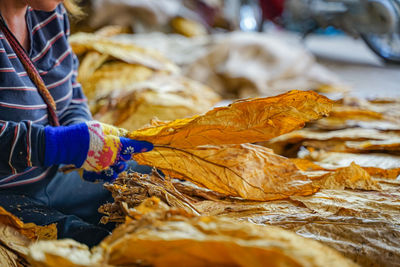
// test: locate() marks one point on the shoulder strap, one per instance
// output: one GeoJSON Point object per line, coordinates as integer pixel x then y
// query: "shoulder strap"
{"type": "Point", "coordinates": [32, 72]}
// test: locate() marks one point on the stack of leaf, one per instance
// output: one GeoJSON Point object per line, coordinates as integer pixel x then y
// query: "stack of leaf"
{"type": "Point", "coordinates": [15, 238]}
{"type": "Point", "coordinates": [156, 235]}
{"type": "Point", "coordinates": [128, 85]}
{"type": "Point", "coordinates": [364, 132]}
{"type": "Point", "coordinates": [351, 209]}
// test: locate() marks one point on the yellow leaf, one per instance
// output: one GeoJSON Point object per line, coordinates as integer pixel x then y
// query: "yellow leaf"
{"type": "Point", "coordinates": [171, 238]}
{"type": "Point", "coordinates": [245, 121]}
{"type": "Point", "coordinates": [353, 177]}
{"type": "Point", "coordinates": [30, 230]}
{"type": "Point", "coordinates": [309, 166]}
{"type": "Point", "coordinates": [247, 171]}
{"type": "Point", "coordinates": [127, 52]}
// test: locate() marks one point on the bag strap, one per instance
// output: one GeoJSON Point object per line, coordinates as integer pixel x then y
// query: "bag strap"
{"type": "Point", "coordinates": [32, 73]}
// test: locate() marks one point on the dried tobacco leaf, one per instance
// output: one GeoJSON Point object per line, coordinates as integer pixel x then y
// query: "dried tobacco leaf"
{"type": "Point", "coordinates": [130, 190]}
{"type": "Point", "coordinates": [386, 146]}
{"type": "Point", "coordinates": [171, 238]}
{"type": "Point", "coordinates": [331, 160]}
{"type": "Point", "coordinates": [245, 121]}
{"type": "Point", "coordinates": [392, 145]}
{"type": "Point", "coordinates": [63, 253]}
{"type": "Point", "coordinates": [344, 116]}
{"type": "Point", "coordinates": [166, 97]}
{"type": "Point", "coordinates": [30, 230]}
{"type": "Point", "coordinates": [289, 144]}
{"type": "Point", "coordinates": [363, 225]}
{"type": "Point", "coordinates": [188, 27]}
{"type": "Point", "coordinates": [353, 177]}
{"type": "Point", "coordinates": [346, 134]}
{"type": "Point", "coordinates": [160, 236]}
{"type": "Point", "coordinates": [15, 237]}
{"type": "Point", "coordinates": [310, 166]}
{"type": "Point", "coordinates": [113, 76]}
{"type": "Point", "coordinates": [247, 171]}
{"type": "Point", "coordinates": [126, 52]}
{"type": "Point", "coordinates": [90, 63]}
{"type": "Point", "coordinates": [13, 247]}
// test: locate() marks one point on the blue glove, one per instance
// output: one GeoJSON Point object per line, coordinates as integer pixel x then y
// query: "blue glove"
{"type": "Point", "coordinates": [92, 146]}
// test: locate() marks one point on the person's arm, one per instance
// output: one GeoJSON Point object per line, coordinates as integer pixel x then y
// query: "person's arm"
{"type": "Point", "coordinates": [92, 146]}
{"type": "Point", "coordinates": [21, 146]}
{"type": "Point", "coordinates": [77, 110]}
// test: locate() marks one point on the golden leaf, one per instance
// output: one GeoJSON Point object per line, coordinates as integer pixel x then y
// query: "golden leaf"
{"type": "Point", "coordinates": [246, 121]}
{"type": "Point", "coordinates": [13, 247]}
{"type": "Point", "coordinates": [345, 134]}
{"type": "Point", "coordinates": [353, 177]}
{"type": "Point", "coordinates": [333, 160]}
{"type": "Point", "coordinates": [92, 61]}
{"type": "Point", "coordinates": [166, 97]}
{"type": "Point", "coordinates": [160, 236]}
{"type": "Point", "coordinates": [30, 230]}
{"type": "Point", "coordinates": [345, 116]}
{"type": "Point", "coordinates": [187, 27]}
{"type": "Point", "coordinates": [309, 166]}
{"type": "Point", "coordinates": [363, 225]}
{"type": "Point", "coordinates": [375, 145]}
{"type": "Point", "coordinates": [247, 171]}
{"type": "Point", "coordinates": [126, 52]}
{"type": "Point", "coordinates": [16, 236]}
{"type": "Point", "coordinates": [113, 76]}
{"type": "Point", "coordinates": [63, 253]}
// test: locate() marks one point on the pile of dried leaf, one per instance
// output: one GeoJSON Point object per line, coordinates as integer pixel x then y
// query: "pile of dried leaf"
{"type": "Point", "coordinates": [352, 208]}
{"type": "Point", "coordinates": [128, 85]}
{"type": "Point", "coordinates": [16, 237]}
{"type": "Point", "coordinates": [157, 235]}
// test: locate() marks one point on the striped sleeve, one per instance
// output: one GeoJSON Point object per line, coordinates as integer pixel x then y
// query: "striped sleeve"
{"type": "Point", "coordinates": [21, 146]}
{"type": "Point", "coordinates": [78, 110]}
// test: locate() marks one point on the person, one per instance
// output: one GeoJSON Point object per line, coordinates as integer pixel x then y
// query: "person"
{"type": "Point", "coordinates": [45, 123]}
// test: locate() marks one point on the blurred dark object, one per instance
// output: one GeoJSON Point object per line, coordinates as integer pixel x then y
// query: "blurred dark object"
{"type": "Point", "coordinates": [272, 9]}
{"type": "Point", "coordinates": [377, 22]}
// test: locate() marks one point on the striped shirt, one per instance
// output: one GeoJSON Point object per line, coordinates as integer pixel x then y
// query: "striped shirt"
{"type": "Point", "coordinates": [23, 113]}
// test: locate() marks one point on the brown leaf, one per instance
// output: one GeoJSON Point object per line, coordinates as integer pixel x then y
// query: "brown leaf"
{"type": "Point", "coordinates": [347, 116]}
{"type": "Point", "coordinates": [160, 236]}
{"type": "Point", "coordinates": [63, 253]}
{"type": "Point", "coordinates": [127, 52]}
{"type": "Point", "coordinates": [353, 177]}
{"type": "Point", "coordinates": [130, 190]}
{"type": "Point", "coordinates": [247, 171]}
{"type": "Point", "coordinates": [169, 238]}
{"type": "Point", "coordinates": [346, 134]}
{"type": "Point", "coordinates": [309, 166]}
{"type": "Point", "coordinates": [362, 225]}
{"type": "Point", "coordinates": [246, 121]}
{"type": "Point", "coordinates": [163, 96]}
{"type": "Point", "coordinates": [15, 237]}
{"type": "Point", "coordinates": [13, 247]}
{"type": "Point", "coordinates": [390, 145]}
{"type": "Point", "coordinates": [30, 230]}
{"type": "Point", "coordinates": [332, 160]}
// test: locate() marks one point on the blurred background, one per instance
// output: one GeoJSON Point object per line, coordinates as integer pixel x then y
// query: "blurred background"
{"type": "Point", "coordinates": [147, 56]}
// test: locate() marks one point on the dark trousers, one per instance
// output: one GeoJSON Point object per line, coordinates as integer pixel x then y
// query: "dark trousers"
{"type": "Point", "coordinates": [64, 199]}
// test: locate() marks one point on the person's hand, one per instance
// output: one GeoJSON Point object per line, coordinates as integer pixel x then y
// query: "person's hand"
{"type": "Point", "coordinates": [92, 146]}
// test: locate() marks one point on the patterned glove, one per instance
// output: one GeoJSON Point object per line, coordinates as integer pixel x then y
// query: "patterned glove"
{"type": "Point", "coordinates": [92, 146]}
